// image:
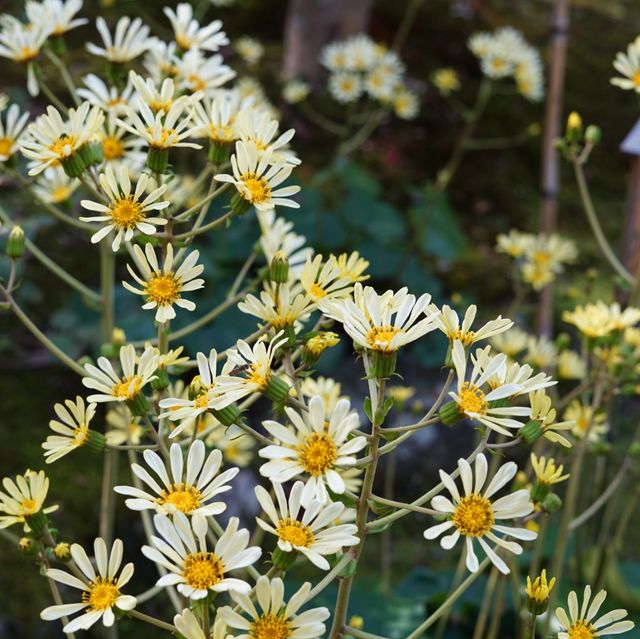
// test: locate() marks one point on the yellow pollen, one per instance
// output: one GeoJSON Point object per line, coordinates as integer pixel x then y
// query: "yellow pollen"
{"type": "Point", "coordinates": [497, 64]}
{"type": "Point", "coordinates": [257, 377]}
{"type": "Point", "coordinates": [581, 630]}
{"type": "Point", "coordinates": [202, 570]}
{"type": "Point", "coordinates": [64, 146]}
{"type": "Point", "coordinates": [184, 42]}
{"type": "Point", "coordinates": [296, 533]}
{"type": "Point", "coordinates": [183, 497]}
{"type": "Point", "coordinates": [60, 194]}
{"type": "Point", "coordinates": [102, 594]}
{"type": "Point", "coordinates": [6, 145]}
{"type": "Point", "coordinates": [26, 53]}
{"type": "Point", "coordinates": [379, 337]}
{"type": "Point", "coordinates": [472, 400]}
{"type": "Point", "coordinates": [317, 454]}
{"type": "Point", "coordinates": [29, 506]}
{"type": "Point", "coordinates": [257, 186]}
{"type": "Point", "coordinates": [474, 516]}
{"type": "Point", "coordinates": [317, 292]}
{"type": "Point", "coordinates": [466, 338]}
{"type": "Point", "coordinates": [201, 400]}
{"type": "Point", "coordinates": [81, 435]}
{"type": "Point", "coordinates": [125, 388]}
{"type": "Point", "coordinates": [112, 148]}
{"type": "Point", "coordinates": [636, 78]}
{"type": "Point", "coordinates": [269, 627]}
{"type": "Point", "coordinates": [163, 289]}
{"type": "Point", "coordinates": [159, 105]}
{"type": "Point", "coordinates": [126, 213]}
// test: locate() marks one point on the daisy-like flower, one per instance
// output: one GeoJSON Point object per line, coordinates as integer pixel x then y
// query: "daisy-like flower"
{"type": "Point", "coordinates": [237, 450]}
{"type": "Point", "coordinates": [628, 65]}
{"type": "Point", "coordinates": [581, 622]}
{"type": "Point", "coordinates": [511, 343]}
{"type": "Point", "coordinates": [210, 397]}
{"type": "Point", "coordinates": [542, 412]}
{"type": "Point", "coordinates": [24, 498]}
{"type": "Point", "coordinates": [334, 56]}
{"type": "Point", "coordinates": [539, 590]}
{"type": "Point", "coordinates": [130, 39]}
{"type": "Point", "coordinates": [584, 419]}
{"type": "Point", "coordinates": [256, 179]}
{"type": "Point", "coordinates": [121, 148]}
{"type": "Point", "coordinates": [353, 266]}
{"type": "Point", "coordinates": [546, 471]}
{"type": "Point", "coordinates": [345, 86]}
{"type": "Point", "coordinates": [276, 618]}
{"type": "Point", "coordinates": [473, 514]}
{"type": "Point", "coordinates": [190, 489]}
{"type": "Point", "coordinates": [600, 319]}
{"type": "Point", "coordinates": [249, 49]}
{"type": "Point", "coordinates": [193, 569]}
{"type": "Point", "coordinates": [384, 323]}
{"type": "Point", "coordinates": [157, 99]}
{"type": "Point", "coordinates": [162, 130]}
{"type": "Point", "coordinates": [72, 429]}
{"type": "Point", "coordinates": [216, 119]}
{"type": "Point", "coordinates": [201, 75]}
{"type": "Point", "coordinates": [52, 140]}
{"type": "Point", "coordinates": [55, 16]}
{"type": "Point", "coordinates": [325, 280]}
{"type": "Point", "coordinates": [295, 91]}
{"type": "Point", "coordinates": [126, 211]}
{"type": "Point", "coordinates": [188, 34]}
{"type": "Point", "coordinates": [11, 131]}
{"type": "Point", "coordinates": [541, 352]}
{"type": "Point", "coordinates": [446, 80]}
{"type": "Point", "coordinates": [258, 128]}
{"type": "Point", "coordinates": [314, 448]}
{"type": "Point", "coordinates": [163, 287]}
{"type": "Point", "coordinates": [281, 307]}
{"type": "Point", "coordinates": [128, 386]}
{"type": "Point", "coordinates": [98, 93]}
{"type": "Point", "coordinates": [515, 243]}
{"type": "Point", "coordinates": [123, 428]}
{"type": "Point", "coordinates": [449, 323]}
{"type": "Point", "coordinates": [249, 367]}
{"type": "Point", "coordinates": [312, 532]}
{"type": "Point", "coordinates": [405, 104]}
{"type": "Point", "coordinates": [22, 44]}
{"type": "Point", "coordinates": [474, 401]}
{"type": "Point", "coordinates": [571, 365]}
{"type": "Point", "coordinates": [55, 186]}
{"type": "Point", "coordinates": [278, 237]}
{"type": "Point", "coordinates": [101, 588]}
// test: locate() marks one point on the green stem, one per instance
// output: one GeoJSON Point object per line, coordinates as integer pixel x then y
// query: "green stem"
{"type": "Point", "coordinates": [152, 621]}
{"type": "Point", "coordinates": [359, 634]}
{"type": "Point", "coordinates": [487, 598]}
{"type": "Point", "coordinates": [107, 502]}
{"type": "Point", "coordinates": [589, 209]}
{"type": "Point", "coordinates": [447, 172]}
{"type": "Point", "coordinates": [107, 276]}
{"type": "Point", "coordinates": [330, 576]}
{"type": "Point", "coordinates": [53, 98]}
{"type": "Point", "coordinates": [406, 24]}
{"type": "Point", "coordinates": [40, 336]}
{"type": "Point", "coordinates": [451, 599]}
{"type": "Point", "coordinates": [204, 229]}
{"type": "Point", "coordinates": [530, 628]}
{"type": "Point", "coordinates": [64, 73]}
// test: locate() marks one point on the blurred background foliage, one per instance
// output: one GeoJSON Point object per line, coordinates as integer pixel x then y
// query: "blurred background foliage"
{"type": "Point", "coordinates": [379, 201]}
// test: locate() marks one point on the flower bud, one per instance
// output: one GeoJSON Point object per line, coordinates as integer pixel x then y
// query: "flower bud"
{"type": "Point", "coordinates": [25, 544]}
{"type": "Point", "coordinates": [279, 268]}
{"type": "Point", "coordinates": [62, 551]}
{"type": "Point", "coordinates": [15, 243]}
{"type": "Point", "coordinates": [593, 134]}
{"type": "Point", "coordinates": [316, 345]}
{"type": "Point", "coordinates": [574, 127]}
{"type": "Point", "coordinates": [552, 503]}
{"type": "Point", "coordinates": [356, 622]}
{"type": "Point", "coordinates": [538, 593]}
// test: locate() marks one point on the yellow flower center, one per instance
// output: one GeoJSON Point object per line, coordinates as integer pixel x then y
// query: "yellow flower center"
{"type": "Point", "coordinates": [64, 145]}
{"type": "Point", "coordinates": [257, 376]}
{"type": "Point", "coordinates": [497, 64]}
{"type": "Point", "coordinates": [269, 627]}
{"type": "Point", "coordinates": [29, 506]}
{"type": "Point", "coordinates": [317, 453]}
{"type": "Point", "coordinates": [467, 338]}
{"type": "Point", "coordinates": [81, 435]}
{"type": "Point", "coordinates": [474, 516]}
{"type": "Point", "coordinates": [201, 400]}
{"type": "Point", "coordinates": [379, 337]}
{"type": "Point", "coordinates": [166, 140]}
{"type": "Point", "coordinates": [221, 133]}
{"type": "Point", "coordinates": [184, 41]}
{"type": "Point", "coordinates": [317, 292]}
{"type": "Point", "coordinates": [183, 497]}
{"type": "Point", "coordinates": [196, 82]}
{"type": "Point", "coordinates": [126, 213]}
{"type": "Point", "coordinates": [541, 257]}
{"type": "Point", "coordinates": [6, 145]}
{"type": "Point", "coordinates": [102, 594]}
{"type": "Point", "coordinates": [257, 186]}
{"type": "Point", "coordinates": [128, 387]}
{"type": "Point", "coordinates": [581, 630]}
{"type": "Point", "coordinates": [112, 148]}
{"type": "Point", "coordinates": [472, 400]}
{"type": "Point", "coordinates": [26, 53]}
{"type": "Point", "coordinates": [163, 289]}
{"type": "Point", "coordinates": [203, 570]}
{"type": "Point", "coordinates": [159, 105]}
{"type": "Point", "coordinates": [60, 194]}
{"type": "Point", "coordinates": [636, 78]}
{"type": "Point", "coordinates": [296, 533]}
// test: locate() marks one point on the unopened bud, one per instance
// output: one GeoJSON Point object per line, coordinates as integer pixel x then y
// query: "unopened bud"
{"type": "Point", "coordinates": [593, 134]}
{"type": "Point", "coordinates": [279, 268]}
{"type": "Point", "coordinates": [574, 127]}
{"type": "Point", "coordinates": [15, 243]}
{"type": "Point", "coordinates": [62, 551]}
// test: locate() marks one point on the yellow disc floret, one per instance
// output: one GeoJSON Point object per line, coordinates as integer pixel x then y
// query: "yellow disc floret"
{"type": "Point", "coordinates": [473, 515]}
{"type": "Point", "coordinates": [295, 532]}
{"type": "Point", "coordinates": [163, 289]}
{"type": "Point", "coordinates": [256, 188]}
{"type": "Point", "coordinates": [269, 627]}
{"type": "Point", "coordinates": [202, 570]}
{"type": "Point", "coordinates": [472, 400]}
{"type": "Point", "coordinates": [317, 454]}
{"type": "Point", "coordinates": [102, 594]}
{"type": "Point", "coordinates": [183, 497]}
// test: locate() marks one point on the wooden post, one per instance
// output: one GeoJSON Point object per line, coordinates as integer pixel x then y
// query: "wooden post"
{"type": "Point", "coordinates": [312, 24]}
{"type": "Point", "coordinates": [631, 237]}
{"type": "Point", "coordinates": [550, 183]}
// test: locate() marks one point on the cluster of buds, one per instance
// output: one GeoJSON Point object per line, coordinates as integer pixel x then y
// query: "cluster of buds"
{"type": "Point", "coordinates": [578, 140]}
